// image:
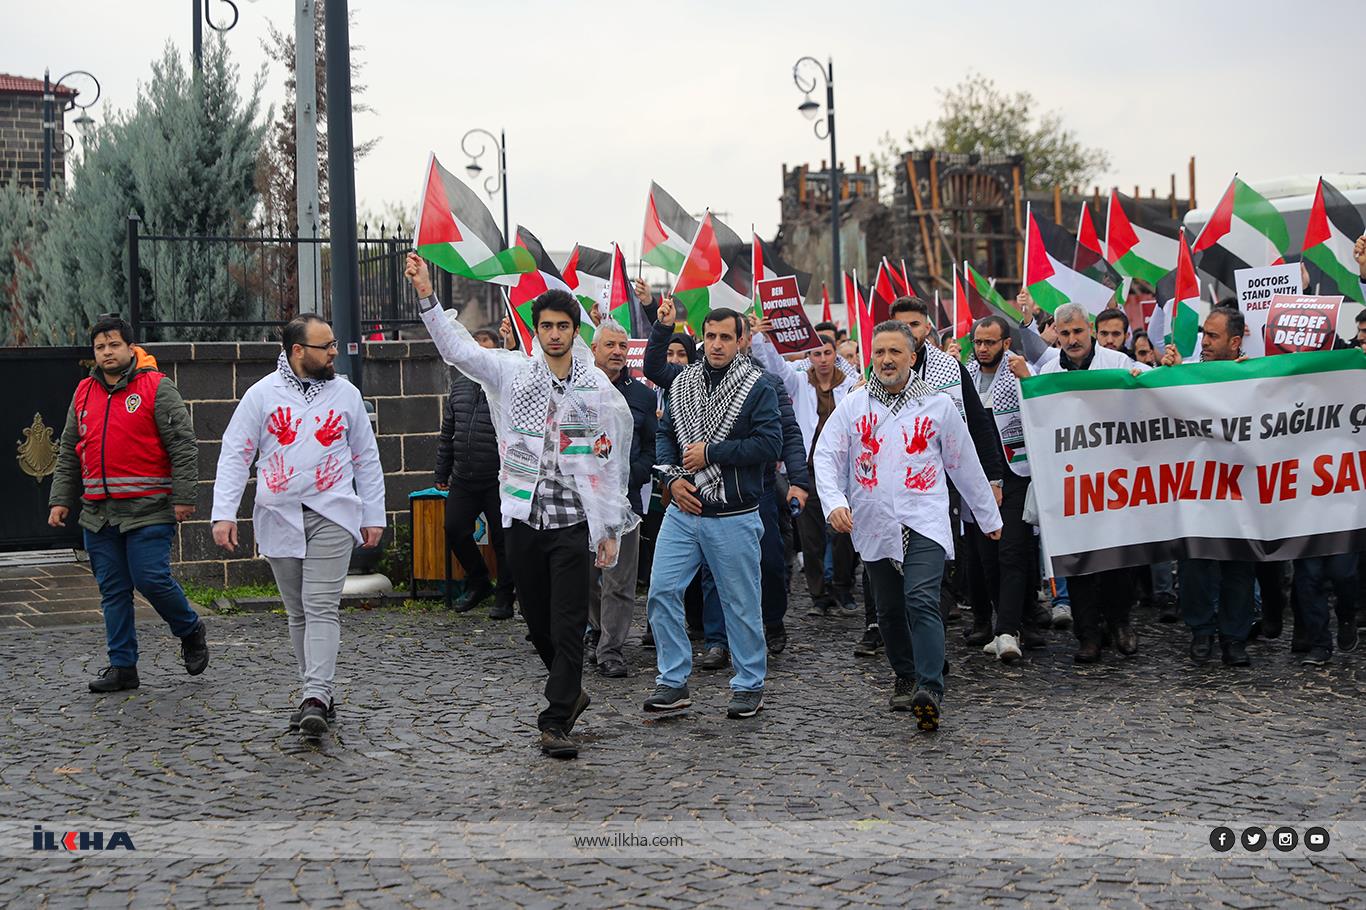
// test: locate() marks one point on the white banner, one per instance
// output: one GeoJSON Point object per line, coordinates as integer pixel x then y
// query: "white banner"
{"type": "Point", "coordinates": [1264, 459]}
{"type": "Point", "coordinates": [1255, 288]}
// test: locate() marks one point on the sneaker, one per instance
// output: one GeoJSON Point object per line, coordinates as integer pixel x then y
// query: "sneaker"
{"type": "Point", "coordinates": [715, 658]}
{"type": "Point", "coordinates": [1062, 616]}
{"type": "Point", "coordinates": [745, 704]}
{"type": "Point", "coordinates": [297, 715]}
{"type": "Point", "coordinates": [557, 744]}
{"type": "Point", "coordinates": [776, 638]}
{"type": "Point", "coordinates": [1235, 653]}
{"type": "Point", "coordinates": [847, 605]}
{"type": "Point", "coordinates": [580, 706]}
{"type": "Point", "coordinates": [115, 679]}
{"type": "Point", "coordinates": [194, 650]}
{"type": "Point", "coordinates": [925, 707]}
{"type": "Point", "coordinates": [870, 643]}
{"type": "Point", "coordinates": [979, 634]}
{"type": "Point", "coordinates": [1317, 657]}
{"type": "Point", "coordinates": [478, 591]}
{"type": "Point", "coordinates": [590, 645]}
{"type": "Point", "coordinates": [990, 647]}
{"type": "Point", "coordinates": [1348, 636]}
{"type": "Point", "coordinates": [903, 692]}
{"type": "Point", "coordinates": [821, 606]}
{"type": "Point", "coordinates": [667, 698]}
{"type": "Point", "coordinates": [312, 717]}
{"type": "Point", "coordinates": [1007, 649]}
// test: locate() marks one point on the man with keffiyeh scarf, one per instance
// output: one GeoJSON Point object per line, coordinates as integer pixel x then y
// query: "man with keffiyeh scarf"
{"type": "Point", "coordinates": [719, 429]}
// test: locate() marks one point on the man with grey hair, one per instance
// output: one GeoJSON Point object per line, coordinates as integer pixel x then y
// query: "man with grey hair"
{"type": "Point", "coordinates": [883, 462]}
{"type": "Point", "coordinates": [1100, 600]}
{"type": "Point", "coordinates": [612, 591]}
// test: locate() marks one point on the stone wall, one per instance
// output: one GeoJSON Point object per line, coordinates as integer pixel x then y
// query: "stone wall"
{"type": "Point", "coordinates": [405, 380]}
{"type": "Point", "coordinates": [21, 141]}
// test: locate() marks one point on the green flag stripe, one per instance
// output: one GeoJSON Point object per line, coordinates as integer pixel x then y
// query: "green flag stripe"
{"type": "Point", "coordinates": [666, 258]}
{"type": "Point", "coordinates": [1195, 373]}
{"type": "Point", "coordinates": [1348, 281]}
{"type": "Point", "coordinates": [1252, 207]}
{"type": "Point", "coordinates": [1047, 296]}
{"type": "Point", "coordinates": [1133, 265]}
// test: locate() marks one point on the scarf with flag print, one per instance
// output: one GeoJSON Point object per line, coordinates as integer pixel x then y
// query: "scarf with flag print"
{"type": "Point", "coordinates": [1004, 398]}
{"type": "Point", "coordinates": [708, 415]}
{"type": "Point", "coordinates": [915, 389]}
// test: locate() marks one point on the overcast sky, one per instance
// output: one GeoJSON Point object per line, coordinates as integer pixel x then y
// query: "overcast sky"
{"type": "Point", "coordinates": [598, 98]}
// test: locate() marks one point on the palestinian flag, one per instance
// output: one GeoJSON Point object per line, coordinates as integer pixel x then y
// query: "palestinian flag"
{"type": "Point", "coordinates": [1245, 231]}
{"type": "Point", "coordinates": [701, 286]}
{"type": "Point", "coordinates": [884, 293]}
{"type": "Point", "coordinates": [865, 329]}
{"type": "Point", "coordinates": [532, 285]}
{"type": "Point", "coordinates": [1334, 225]}
{"type": "Point", "coordinates": [456, 232]}
{"type": "Point", "coordinates": [825, 304]}
{"type": "Point", "coordinates": [1089, 258]}
{"type": "Point", "coordinates": [853, 296]}
{"type": "Point", "coordinates": [1049, 250]}
{"type": "Point", "coordinates": [1188, 309]}
{"type": "Point", "coordinates": [765, 264]}
{"type": "Point", "coordinates": [619, 295]}
{"type": "Point", "coordinates": [588, 272]}
{"type": "Point", "coordinates": [1138, 244]}
{"type": "Point", "coordinates": [982, 297]}
{"type": "Point", "coordinates": [669, 231]}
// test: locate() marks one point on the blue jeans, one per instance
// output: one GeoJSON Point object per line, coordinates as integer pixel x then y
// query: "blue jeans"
{"type": "Point", "coordinates": [1217, 596]}
{"type": "Point", "coordinates": [1164, 581]}
{"type": "Point", "coordinates": [1310, 575]}
{"type": "Point", "coordinates": [908, 612]}
{"type": "Point", "coordinates": [730, 547]}
{"type": "Point", "coordinates": [136, 559]}
{"type": "Point", "coordinates": [1061, 598]}
{"type": "Point", "coordinates": [772, 584]}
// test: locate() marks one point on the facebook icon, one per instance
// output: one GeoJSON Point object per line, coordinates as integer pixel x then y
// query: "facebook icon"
{"type": "Point", "coordinates": [1221, 839]}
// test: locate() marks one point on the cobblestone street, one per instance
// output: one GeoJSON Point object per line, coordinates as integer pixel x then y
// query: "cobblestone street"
{"type": "Point", "coordinates": [437, 722]}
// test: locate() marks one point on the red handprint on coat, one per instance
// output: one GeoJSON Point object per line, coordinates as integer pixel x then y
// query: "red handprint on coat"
{"type": "Point", "coordinates": [248, 452]}
{"type": "Point", "coordinates": [923, 432]}
{"type": "Point", "coordinates": [279, 426]}
{"type": "Point", "coordinates": [865, 466]}
{"type": "Point", "coordinates": [276, 474]}
{"type": "Point", "coordinates": [923, 479]}
{"type": "Point", "coordinates": [326, 475]}
{"type": "Point", "coordinates": [331, 429]}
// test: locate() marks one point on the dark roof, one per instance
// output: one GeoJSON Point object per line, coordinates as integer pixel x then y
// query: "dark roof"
{"type": "Point", "coordinates": [22, 85]}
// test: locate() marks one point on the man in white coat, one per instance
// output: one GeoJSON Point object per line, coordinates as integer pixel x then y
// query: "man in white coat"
{"type": "Point", "coordinates": [881, 466]}
{"type": "Point", "coordinates": [319, 493]}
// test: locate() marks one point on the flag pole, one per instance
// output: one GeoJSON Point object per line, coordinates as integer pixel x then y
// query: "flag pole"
{"type": "Point", "coordinates": [1029, 223]}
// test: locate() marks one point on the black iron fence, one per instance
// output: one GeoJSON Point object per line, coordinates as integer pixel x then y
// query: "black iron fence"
{"type": "Point", "coordinates": [212, 288]}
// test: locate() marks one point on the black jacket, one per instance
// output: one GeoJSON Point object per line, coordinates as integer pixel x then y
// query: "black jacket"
{"type": "Point", "coordinates": [467, 449]}
{"type": "Point", "coordinates": [642, 403]}
{"type": "Point", "coordinates": [981, 427]}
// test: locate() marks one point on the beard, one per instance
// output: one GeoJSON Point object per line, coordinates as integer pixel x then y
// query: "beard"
{"type": "Point", "coordinates": [322, 373]}
{"type": "Point", "coordinates": [991, 365]}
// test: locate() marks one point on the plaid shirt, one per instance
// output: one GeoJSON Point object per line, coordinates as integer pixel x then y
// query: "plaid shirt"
{"type": "Point", "coordinates": [554, 504]}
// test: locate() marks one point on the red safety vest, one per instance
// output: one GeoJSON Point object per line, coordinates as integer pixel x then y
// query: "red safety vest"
{"type": "Point", "coordinates": [120, 449]}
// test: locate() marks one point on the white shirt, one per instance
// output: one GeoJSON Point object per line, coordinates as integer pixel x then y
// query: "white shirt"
{"type": "Point", "coordinates": [1105, 359]}
{"type": "Point", "coordinates": [321, 455]}
{"type": "Point", "coordinates": [889, 471]}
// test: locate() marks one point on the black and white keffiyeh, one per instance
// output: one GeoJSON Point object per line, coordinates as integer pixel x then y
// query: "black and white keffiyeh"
{"type": "Point", "coordinates": [707, 415]}
{"type": "Point", "coordinates": [310, 389]}
{"type": "Point", "coordinates": [915, 388]}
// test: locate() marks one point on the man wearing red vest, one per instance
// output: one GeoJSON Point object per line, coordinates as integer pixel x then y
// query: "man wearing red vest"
{"type": "Point", "coordinates": [128, 454]}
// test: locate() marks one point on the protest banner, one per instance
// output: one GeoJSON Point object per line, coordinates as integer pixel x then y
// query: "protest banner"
{"type": "Point", "coordinates": [1259, 460]}
{"type": "Point", "coordinates": [635, 359]}
{"type": "Point", "coordinates": [1255, 289]}
{"type": "Point", "coordinates": [1301, 324]}
{"type": "Point", "coordinates": [780, 300]}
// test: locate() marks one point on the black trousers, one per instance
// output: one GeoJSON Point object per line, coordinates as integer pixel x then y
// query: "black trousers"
{"type": "Point", "coordinates": [813, 534]}
{"type": "Point", "coordinates": [464, 502]}
{"type": "Point", "coordinates": [1003, 570]}
{"type": "Point", "coordinates": [1100, 598]}
{"type": "Point", "coordinates": [551, 571]}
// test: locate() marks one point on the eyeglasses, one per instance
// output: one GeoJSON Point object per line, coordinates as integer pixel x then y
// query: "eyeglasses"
{"type": "Point", "coordinates": [330, 346]}
{"type": "Point", "coordinates": [986, 342]}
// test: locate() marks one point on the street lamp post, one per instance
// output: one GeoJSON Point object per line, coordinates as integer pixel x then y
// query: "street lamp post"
{"type": "Point", "coordinates": [201, 15]}
{"type": "Point", "coordinates": [495, 182]}
{"type": "Point", "coordinates": [83, 122]}
{"type": "Point", "coordinates": [810, 109]}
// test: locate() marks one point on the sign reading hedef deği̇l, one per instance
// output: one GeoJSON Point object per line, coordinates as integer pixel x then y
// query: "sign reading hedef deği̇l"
{"type": "Point", "coordinates": [780, 299]}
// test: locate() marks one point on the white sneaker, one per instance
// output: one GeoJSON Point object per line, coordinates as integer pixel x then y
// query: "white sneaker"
{"type": "Point", "coordinates": [1007, 648]}
{"type": "Point", "coordinates": [990, 647]}
{"type": "Point", "coordinates": [1062, 617]}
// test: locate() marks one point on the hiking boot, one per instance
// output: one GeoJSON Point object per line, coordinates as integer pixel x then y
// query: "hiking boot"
{"type": "Point", "coordinates": [1235, 653]}
{"type": "Point", "coordinates": [925, 707]}
{"type": "Point", "coordinates": [667, 698]}
{"type": "Point", "coordinates": [903, 692]}
{"type": "Point", "coordinates": [870, 643]}
{"type": "Point", "coordinates": [715, 658]}
{"type": "Point", "coordinates": [474, 595]}
{"type": "Point", "coordinates": [776, 638]}
{"type": "Point", "coordinates": [557, 744]}
{"type": "Point", "coordinates": [979, 634]}
{"type": "Point", "coordinates": [115, 679]}
{"type": "Point", "coordinates": [1202, 647]}
{"type": "Point", "coordinates": [312, 717]}
{"type": "Point", "coordinates": [580, 706]}
{"type": "Point", "coordinates": [298, 714]}
{"type": "Point", "coordinates": [1317, 657]}
{"type": "Point", "coordinates": [745, 704]}
{"type": "Point", "coordinates": [194, 650]}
